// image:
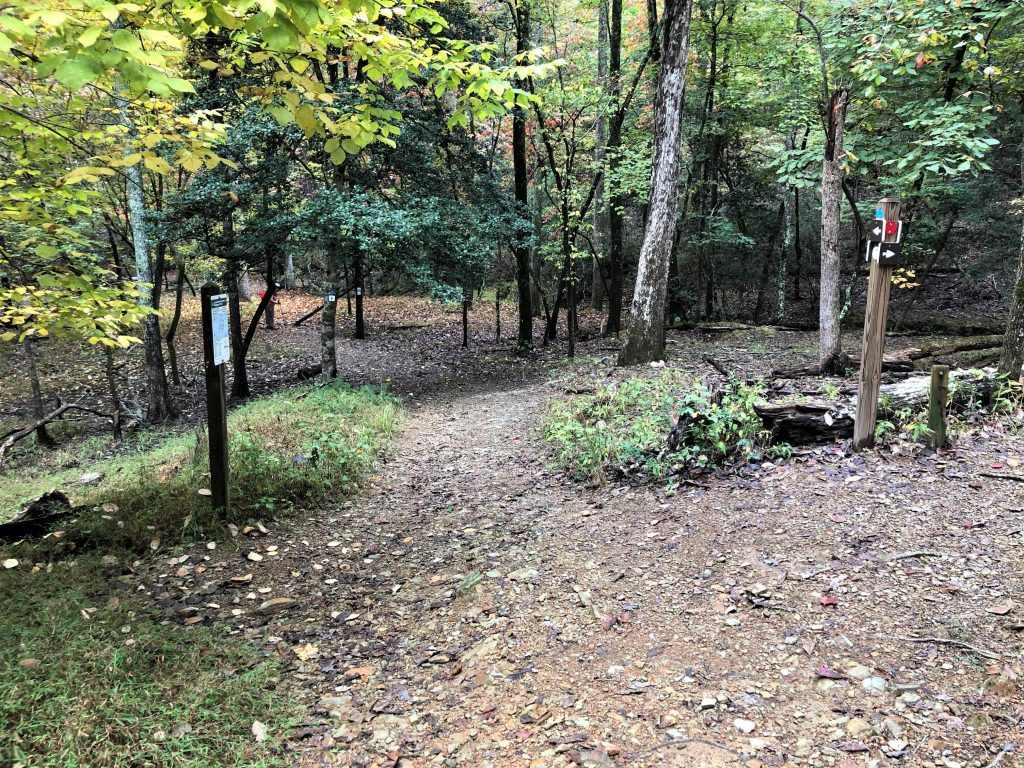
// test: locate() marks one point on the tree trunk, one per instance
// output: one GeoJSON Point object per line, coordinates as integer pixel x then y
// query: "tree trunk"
{"type": "Point", "coordinates": [830, 339]}
{"type": "Point", "coordinates": [597, 289]}
{"type": "Point", "coordinates": [357, 275]}
{"type": "Point", "coordinates": [158, 396]}
{"type": "Point", "coordinates": [328, 328]}
{"type": "Point", "coordinates": [614, 323]}
{"type": "Point", "coordinates": [240, 375]}
{"type": "Point", "coordinates": [115, 399]}
{"type": "Point", "coordinates": [1012, 357]}
{"type": "Point", "coordinates": [172, 330]}
{"type": "Point", "coordinates": [524, 340]}
{"type": "Point", "coordinates": [289, 269]}
{"type": "Point", "coordinates": [645, 340]}
{"type": "Point", "coordinates": [38, 408]}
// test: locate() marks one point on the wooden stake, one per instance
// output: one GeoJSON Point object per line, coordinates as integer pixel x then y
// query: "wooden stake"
{"type": "Point", "coordinates": [873, 345]}
{"type": "Point", "coordinates": [216, 409]}
{"type": "Point", "coordinates": [937, 395]}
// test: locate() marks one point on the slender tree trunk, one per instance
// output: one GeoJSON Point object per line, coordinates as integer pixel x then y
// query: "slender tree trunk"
{"type": "Point", "coordinates": [172, 330]}
{"type": "Point", "coordinates": [524, 340]}
{"type": "Point", "coordinates": [328, 324]}
{"type": "Point", "coordinates": [115, 399]}
{"type": "Point", "coordinates": [357, 274]}
{"type": "Point", "coordinates": [38, 407]}
{"type": "Point", "coordinates": [536, 203]}
{"type": "Point", "coordinates": [240, 375]}
{"type": "Point", "coordinates": [597, 289]}
{"type": "Point", "coordinates": [830, 338]}
{"type": "Point", "coordinates": [798, 247]}
{"type": "Point", "coordinates": [158, 397]}
{"type": "Point", "coordinates": [787, 238]}
{"type": "Point", "coordinates": [1012, 357]}
{"type": "Point", "coordinates": [645, 340]}
{"type": "Point", "coordinates": [613, 326]}
{"type": "Point", "coordinates": [289, 269]}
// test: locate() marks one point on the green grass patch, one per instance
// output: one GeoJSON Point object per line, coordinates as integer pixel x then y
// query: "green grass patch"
{"type": "Point", "coordinates": [88, 678]}
{"type": "Point", "coordinates": [623, 428]}
{"type": "Point", "coordinates": [293, 447]}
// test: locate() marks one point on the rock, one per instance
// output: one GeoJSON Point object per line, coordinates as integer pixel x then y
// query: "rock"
{"type": "Point", "coordinates": [524, 574]}
{"type": "Point", "coordinates": [858, 726]}
{"type": "Point", "coordinates": [254, 556]}
{"type": "Point", "coordinates": [10, 563]}
{"type": "Point", "coordinates": [608, 621]}
{"type": "Point", "coordinates": [744, 726]}
{"type": "Point", "coordinates": [276, 605]}
{"type": "Point", "coordinates": [859, 672]}
{"type": "Point", "coordinates": [92, 477]}
{"type": "Point", "coordinates": [874, 684]}
{"type": "Point", "coordinates": [708, 702]}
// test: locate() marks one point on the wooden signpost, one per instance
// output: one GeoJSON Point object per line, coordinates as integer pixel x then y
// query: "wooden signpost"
{"type": "Point", "coordinates": [885, 234]}
{"type": "Point", "coordinates": [217, 352]}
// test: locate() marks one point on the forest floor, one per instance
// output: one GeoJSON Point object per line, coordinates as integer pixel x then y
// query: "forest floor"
{"type": "Point", "coordinates": [475, 607]}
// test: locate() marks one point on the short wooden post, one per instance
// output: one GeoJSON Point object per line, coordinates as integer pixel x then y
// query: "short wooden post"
{"type": "Point", "coordinates": [938, 394]}
{"type": "Point", "coordinates": [873, 344]}
{"type": "Point", "coordinates": [216, 407]}
{"type": "Point", "coordinates": [465, 319]}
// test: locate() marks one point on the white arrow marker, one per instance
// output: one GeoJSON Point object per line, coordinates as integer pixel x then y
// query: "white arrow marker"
{"type": "Point", "coordinates": [889, 254]}
{"type": "Point", "coordinates": [876, 231]}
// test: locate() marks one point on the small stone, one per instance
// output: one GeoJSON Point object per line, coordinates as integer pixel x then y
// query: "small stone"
{"type": "Point", "coordinates": [875, 684]}
{"type": "Point", "coordinates": [254, 556]}
{"type": "Point", "coordinates": [744, 726]}
{"type": "Point", "coordinates": [524, 574]}
{"type": "Point", "coordinates": [10, 563]}
{"type": "Point", "coordinates": [276, 604]}
{"type": "Point", "coordinates": [708, 702]}
{"type": "Point", "coordinates": [859, 672]}
{"type": "Point", "coordinates": [858, 726]}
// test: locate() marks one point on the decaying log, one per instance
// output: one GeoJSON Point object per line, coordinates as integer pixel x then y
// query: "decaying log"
{"type": "Point", "coordinates": [905, 359]}
{"type": "Point", "coordinates": [816, 421]}
{"type": "Point", "coordinates": [38, 517]}
{"type": "Point", "coordinates": [803, 423]}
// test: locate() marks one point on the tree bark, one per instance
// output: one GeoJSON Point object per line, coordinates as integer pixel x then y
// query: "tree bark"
{"type": "Point", "coordinates": [240, 374]}
{"type": "Point", "coordinates": [597, 288]}
{"type": "Point", "coordinates": [158, 397]}
{"type": "Point", "coordinates": [115, 399]}
{"type": "Point", "coordinates": [1012, 356]}
{"type": "Point", "coordinates": [613, 325]}
{"type": "Point", "coordinates": [524, 339]}
{"type": "Point", "coordinates": [172, 329]}
{"type": "Point", "coordinates": [38, 408]}
{"type": "Point", "coordinates": [830, 339]}
{"type": "Point", "coordinates": [357, 276]}
{"type": "Point", "coordinates": [645, 340]}
{"type": "Point", "coordinates": [328, 325]}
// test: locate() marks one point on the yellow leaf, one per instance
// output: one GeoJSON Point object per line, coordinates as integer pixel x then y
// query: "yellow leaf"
{"type": "Point", "coordinates": [157, 164]}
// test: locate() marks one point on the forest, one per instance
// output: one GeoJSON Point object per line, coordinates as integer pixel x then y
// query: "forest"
{"type": "Point", "coordinates": [407, 383]}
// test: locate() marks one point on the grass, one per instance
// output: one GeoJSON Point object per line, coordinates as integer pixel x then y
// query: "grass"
{"type": "Point", "coordinates": [294, 447]}
{"type": "Point", "coordinates": [88, 678]}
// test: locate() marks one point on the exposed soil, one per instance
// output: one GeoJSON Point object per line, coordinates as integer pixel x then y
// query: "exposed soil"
{"type": "Point", "coordinates": [476, 608]}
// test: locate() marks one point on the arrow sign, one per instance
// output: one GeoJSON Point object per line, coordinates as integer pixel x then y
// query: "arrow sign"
{"type": "Point", "coordinates": [886, 254]}
{"type": "Point", "coordinates": [876, 230]}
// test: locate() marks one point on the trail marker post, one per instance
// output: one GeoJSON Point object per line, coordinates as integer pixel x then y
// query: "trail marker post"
{"type": "Point", "coordinates": [938, 393]}
{"type": "Point", "coordinates": [217, 352]}
{"type": "Point", "coordinates": [885, 234]}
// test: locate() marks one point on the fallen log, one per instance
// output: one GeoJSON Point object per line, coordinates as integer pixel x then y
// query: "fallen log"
{"type": "Point", "coordinates": [803, 423]}
{"type": "Point", "coordinates": [37, 518]}
{"type": "Point", "coordinates": [905, 359]}
{"type": "Point", "coordinates": [816, 421]}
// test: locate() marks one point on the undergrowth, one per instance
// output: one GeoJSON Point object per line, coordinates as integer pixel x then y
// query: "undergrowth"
{"type": "Point", "coordinates": [293, 447]}
{"type": "Point", "coordinates": [87, 678]}
{"type": "Point", "coordinates": [625, 427]}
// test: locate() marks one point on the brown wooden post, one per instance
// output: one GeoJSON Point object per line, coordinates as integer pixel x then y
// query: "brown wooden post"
{"type": "Point", "coordinates": [216, 408]}
{"type": "Point", "coordinates": [873, 344]}
{"type": "Point", "coordinates": [938, 393]}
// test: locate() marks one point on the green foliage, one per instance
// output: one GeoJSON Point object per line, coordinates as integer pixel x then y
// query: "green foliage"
{"type": "Point", "coordinates": [625, 426]}
{"type": "Point", "coordinates": [116, 685]}
{"type": "Point", "coordinates": [292, 447]}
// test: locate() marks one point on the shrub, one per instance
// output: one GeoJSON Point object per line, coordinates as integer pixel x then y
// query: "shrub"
{"type": "Point", "coordinates": [626, 426]}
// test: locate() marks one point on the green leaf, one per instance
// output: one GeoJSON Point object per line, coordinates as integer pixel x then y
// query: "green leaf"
{"type": "Point", "coordinates": [76, 73]}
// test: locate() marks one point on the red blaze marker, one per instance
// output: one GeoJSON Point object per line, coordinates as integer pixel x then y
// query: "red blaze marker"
{"type": "Point", "coordinates": [891, 227]}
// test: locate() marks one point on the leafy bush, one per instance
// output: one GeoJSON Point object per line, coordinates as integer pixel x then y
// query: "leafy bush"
{"type": "Point", "coordinates": [294, 446]}
{"type": "Point", "coordinates": [626, 426]}
{"type": "Point", "coordinates": [90, 679]}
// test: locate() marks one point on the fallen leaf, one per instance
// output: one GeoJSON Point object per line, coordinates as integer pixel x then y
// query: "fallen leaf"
{"type": "Point", "coordinates": [10, 563]}
{"type": "Point", "coordinates": [830, 674]}
{"type": "Point", "coordinates": [829, 600]}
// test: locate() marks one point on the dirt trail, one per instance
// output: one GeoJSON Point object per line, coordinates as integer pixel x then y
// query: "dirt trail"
{"type": "Point", "coordinates": [475, 608]}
